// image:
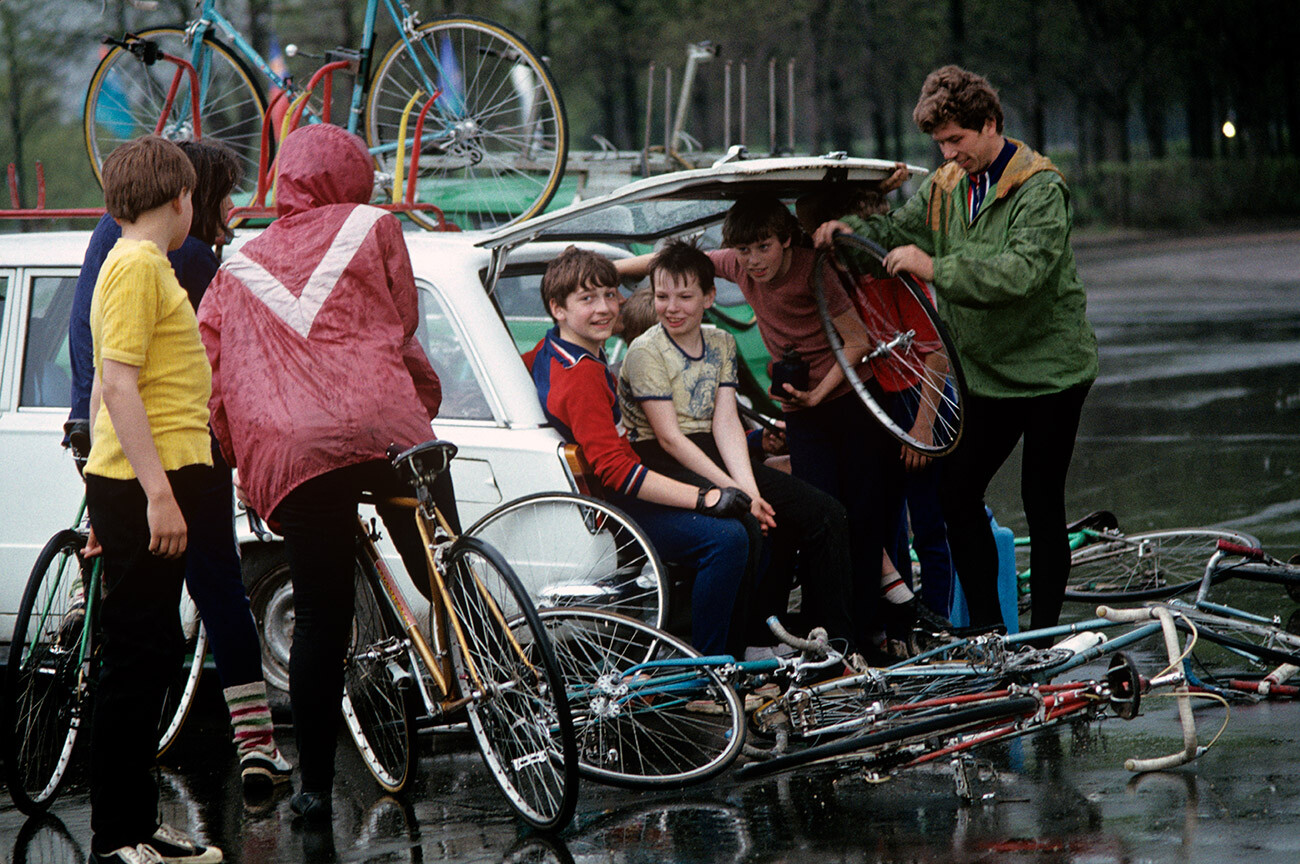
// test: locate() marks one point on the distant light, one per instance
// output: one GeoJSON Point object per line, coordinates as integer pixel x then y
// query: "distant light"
{"type": "Point", "coordinates": [1229, 129]}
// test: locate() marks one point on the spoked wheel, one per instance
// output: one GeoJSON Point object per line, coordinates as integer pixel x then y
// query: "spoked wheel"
{"type": "Point", "coordinates": [378, 694]}
{"type": "Point", "coordinates": [912, 372]}
{"type": "Point", "coordinates": [571, 550]}
{"type": "Point", "coordinates": [47, 688]}
{"type": "Point", "coordinates": [508, 671]}
{"type": "Point", "coordinates": [1146, 566]}
{"type": "Point", "coordinates": [495, 140]}
{"type": "Point", "coordinates": [181, 690]}
{"type": "Point", "coordinates": [1260, 644]}
{"type": "Point", "coordinates": [126, 99]}
{"type": "Point", "coordinates": [637, 725]}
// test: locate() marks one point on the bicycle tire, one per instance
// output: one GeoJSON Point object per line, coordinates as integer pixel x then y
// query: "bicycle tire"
{"type": "Point", "coordinates": [573, 550]}
{"type": "Point", "coordinates": [45, 701]}
{"type": "Point", "coordinates": [1146, 566]}
{"type": "Point", "coordinates": [181, 690]}
{"type": "Point", "coordinates": [688, 724]}
{"type": "Point", "coordinates": [125, 100]}
{"type": "Point", "coordinates": [378, 696]}
{"type": "Point", "coordinates": [900, 356]}
{"type": "Point", "coordinates": [496, 141]}
{"type": "Point", "coordinates": [901, 735]}
{"type": "Point", "coordinates": [507, 670]}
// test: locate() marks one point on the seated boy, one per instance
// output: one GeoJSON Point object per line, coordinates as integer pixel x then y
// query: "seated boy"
{"type": "Point", "coordinates": [834, 442]}
{"type": "Point", "coordinates": [150, 458]}
{"type": "Point", "coordinates": [677, 391]}
{"type": "Point", "coordinates": [688, 523]}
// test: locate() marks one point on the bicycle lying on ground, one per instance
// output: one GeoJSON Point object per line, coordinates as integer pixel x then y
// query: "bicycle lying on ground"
{"type": "Point", "coordinates": [498, 139]}
{"type": "Point", "coordinates": [53, 668]}
{"type": "Point", "coordinates": [487, 654]}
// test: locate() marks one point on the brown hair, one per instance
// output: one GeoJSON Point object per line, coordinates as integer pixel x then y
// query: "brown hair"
{"type": "Point", "coordinates": [952, 94]}
{"type": "Point", "coordinates": [143, 175]}
{"type": "Point", "coordinates": [572, 269]}
{"type": "Point", "coordinates": [756, 216]}
{"type": "Point", "coordinates": [638, 313]}
{"type": "Point", "coordinates": [836, 201]}
{"type": "Point", "coordinates": [681, 259]}
{"type": "Point", "coordinates": [217, 172]}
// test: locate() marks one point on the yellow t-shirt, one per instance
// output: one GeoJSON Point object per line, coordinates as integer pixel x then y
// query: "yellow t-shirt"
{"type": "Point", "coordinates": [142, 317]}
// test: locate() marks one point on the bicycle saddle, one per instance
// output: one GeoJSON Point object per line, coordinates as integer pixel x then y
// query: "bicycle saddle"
{"type": "Point", "coordinates": [424, 462]}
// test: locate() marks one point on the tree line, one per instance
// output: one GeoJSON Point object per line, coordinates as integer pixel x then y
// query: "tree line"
{"type": "Point", "coordinates": [1095, 83]}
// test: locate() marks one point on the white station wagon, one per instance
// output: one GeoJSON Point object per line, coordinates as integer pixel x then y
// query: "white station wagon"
{"type": "Point", "coordinates": [480, 301]}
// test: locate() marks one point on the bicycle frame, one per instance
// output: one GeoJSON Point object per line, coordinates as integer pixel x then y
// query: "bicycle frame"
{"type": "Point", "coordinates": [210, 18]}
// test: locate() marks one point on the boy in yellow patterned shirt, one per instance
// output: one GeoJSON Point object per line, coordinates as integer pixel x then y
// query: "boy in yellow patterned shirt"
{"type": "Point", "coordinates": [149, 456]}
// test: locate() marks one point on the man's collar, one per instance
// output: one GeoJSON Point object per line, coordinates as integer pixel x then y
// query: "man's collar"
{"type": "Point", "coordinates": [571, 352]}
{"type": "Point", "coordinates": [994, 171]}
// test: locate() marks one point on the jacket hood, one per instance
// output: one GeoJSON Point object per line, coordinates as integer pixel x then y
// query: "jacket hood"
{"type": "Point", "coordinates": [322, 164]}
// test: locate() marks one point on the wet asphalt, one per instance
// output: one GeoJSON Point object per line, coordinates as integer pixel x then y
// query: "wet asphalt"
{"type": "Point", "coordinates": [1186, 426]}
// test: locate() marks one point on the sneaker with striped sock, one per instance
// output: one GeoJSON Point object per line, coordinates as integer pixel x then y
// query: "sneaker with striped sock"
{"type": "Point", "coordinates": [261, 766]}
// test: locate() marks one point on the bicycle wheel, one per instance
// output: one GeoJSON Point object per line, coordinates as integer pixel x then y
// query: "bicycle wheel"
{"type": "Point", "coordinates": [496, 139]}
{"type": "Point", "coordinates": [572, 550]}
{"type": "Point", "coordinates": [663, 726]}
{"type": "Point", "coordinates": [508, 672]}
{"type": "Point", "coordinates": [181, 690]}
{"type": "Point", "coordinates": [46, 696]}
{"type": "Point", "coordinates": [126, 98]}
{"type": "Point", "coordinates": [378, 697]}
{"type": "Point", "coordinates": [913, 361]}
{"type": "Point", "coordinates": [1146, 566]}
{"type": "Point", "coordinates": [1263, 645]}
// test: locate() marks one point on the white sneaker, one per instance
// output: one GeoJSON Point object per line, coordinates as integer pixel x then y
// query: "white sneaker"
{"type": "Point", "coordinates": [142, 854]}
{"type": "Point", "coordinates": [176, 847]}
{"type": "Point", "coordinates": [768, 652]}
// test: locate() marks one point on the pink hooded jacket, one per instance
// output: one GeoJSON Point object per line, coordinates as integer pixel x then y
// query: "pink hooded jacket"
{"type": "Point", "coordinates": [311, 328]}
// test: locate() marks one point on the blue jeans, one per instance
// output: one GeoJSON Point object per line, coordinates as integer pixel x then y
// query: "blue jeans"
{"type": "Point", "coordinates": [213, 578]}
{"type": "Point", "coordinates": [717, 549]}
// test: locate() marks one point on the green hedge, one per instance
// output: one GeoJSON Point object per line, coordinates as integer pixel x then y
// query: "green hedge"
{"type": "Point", "coordinates": [1184, 193]}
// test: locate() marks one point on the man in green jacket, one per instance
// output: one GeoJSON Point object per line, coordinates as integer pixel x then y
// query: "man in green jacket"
{"type": "Point", "coordinates": [990, 230]}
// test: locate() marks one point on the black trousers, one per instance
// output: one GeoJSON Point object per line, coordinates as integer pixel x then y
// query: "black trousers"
{"type": "Point", "coordinates": [1048, 424]}
{"type": "Point", "coordinates": [812, 531]}
{"type": "Point", "coordinates": [141, 650]}
{"type": "Point", "coordinates": [319, 523]}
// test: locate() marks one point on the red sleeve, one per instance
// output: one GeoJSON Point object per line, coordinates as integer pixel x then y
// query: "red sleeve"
{"type": "Point", "coordinates": [582, 400]}
{"type": "Point", "coordinates": [401, 281]}
{"type": "Point", "coordinates": [726, 264]}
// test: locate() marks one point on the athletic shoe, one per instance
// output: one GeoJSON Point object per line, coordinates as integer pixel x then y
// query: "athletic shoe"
{"type": "Point", "coordinates": [176, 847]}
{"type": "Point", "coordinates": [767, 652]}
{"type": "Point", "coordinates": [261, 773]}
{"type": "Point", "coordinates": [142, 854]}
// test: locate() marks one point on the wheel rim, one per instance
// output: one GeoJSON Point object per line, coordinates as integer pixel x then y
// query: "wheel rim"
{"type": "Point", "coordinates": [271, 600]}
{"type": "Point", "coordinates": [913, 366]}
{"type": "Point", "coordinates": [604, 562]}
{"type": "Point", "coordinates": [680, 729]}
{"type": "Point", "coordinates": [1147, 565]}
{"type": "Point", "coordinates": [126, 98]}
{"type": "Point", "coordinates": [494, 142]}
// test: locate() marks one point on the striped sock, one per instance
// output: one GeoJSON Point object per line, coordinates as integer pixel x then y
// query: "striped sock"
{"type": "Point", "coordinates": [894, 588]}
{"type": "Point", "coordinates": [250, 717]}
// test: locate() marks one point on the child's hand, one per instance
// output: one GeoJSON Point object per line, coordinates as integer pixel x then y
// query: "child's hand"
{"type": "Point", "coordinates": [914, 460]}
{"type": "Point", "coordinates": [797, 398]}
{"type": "Point", "coordinates": [763, 512]}
{"type": "Point", "coordinates": [167, 532]}
{"type": "Point", "coordinates": [93, 546]}
{"type": "Point", "coordinates": [774, 442]}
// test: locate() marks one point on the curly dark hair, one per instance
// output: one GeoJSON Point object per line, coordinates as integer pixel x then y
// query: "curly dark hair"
{"type": "Point", "coordinates": [952, 94]}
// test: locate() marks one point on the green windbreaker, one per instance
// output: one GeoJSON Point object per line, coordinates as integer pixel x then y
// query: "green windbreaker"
{"type": "Point", "coordinates": [1006, 285]}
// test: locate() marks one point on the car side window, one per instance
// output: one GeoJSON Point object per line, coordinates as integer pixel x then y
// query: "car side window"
{"type": "Point", "coordinates": [462, 394]}
{"type": "Point", "coordinates": [47, 370]}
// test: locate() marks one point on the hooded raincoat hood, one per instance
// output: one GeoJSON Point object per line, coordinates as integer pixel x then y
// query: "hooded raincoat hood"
{"type": "Point", "coordinates": [311, 328]}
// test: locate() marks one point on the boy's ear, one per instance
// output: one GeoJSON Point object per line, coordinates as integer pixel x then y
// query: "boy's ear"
{"type": "Point", "coordinates": [556, 309]}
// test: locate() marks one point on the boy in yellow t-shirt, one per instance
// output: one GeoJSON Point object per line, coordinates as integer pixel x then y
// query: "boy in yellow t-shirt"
{"type": "Point", "coordinates": [149, 455]}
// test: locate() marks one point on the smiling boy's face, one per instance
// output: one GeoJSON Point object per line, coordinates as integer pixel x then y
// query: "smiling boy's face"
{"type": "Point", "coordinates": [588, 315]}
{"type": "Point", "coordinates": [680, 303]}
{"type": "Point", "coordinates": [764, 260]}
